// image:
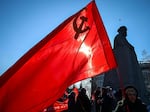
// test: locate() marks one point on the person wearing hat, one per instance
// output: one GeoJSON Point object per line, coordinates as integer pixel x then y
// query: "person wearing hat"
{"type": "Point", "coordinates": [131, 102]}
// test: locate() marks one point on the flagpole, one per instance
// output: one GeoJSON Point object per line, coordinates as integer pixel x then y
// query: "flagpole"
{"type": "Point", "coordinates": [120, 81]}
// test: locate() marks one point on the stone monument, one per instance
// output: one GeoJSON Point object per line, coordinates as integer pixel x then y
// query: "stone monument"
{"type": "Point", "coordinates": [128, 71]}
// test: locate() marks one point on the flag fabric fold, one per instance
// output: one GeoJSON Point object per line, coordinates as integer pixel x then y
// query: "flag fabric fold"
{"type": "Point", "coordinates": [77, 49]}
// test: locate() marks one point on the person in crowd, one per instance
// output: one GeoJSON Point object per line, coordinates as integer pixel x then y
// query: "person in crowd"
{"type": "Point", "coordinates": [131, 102]}
{"type": "Point", "coordinates": [76, 91]}
{"type": "Point", "coordinates": [112, 97]}
{"type": "Point", "coordinates": [92, 99]}
{"type": "Point", "coordinates": [107, 104]}
{"type": "Point", "coordinates": [118, 95]}
{"type": "Point", "coordinates": [71, 102]}
{"type": "Point", "coordinates": [98, 99]}
{"type": "Point", "coordinates": [83, 103]}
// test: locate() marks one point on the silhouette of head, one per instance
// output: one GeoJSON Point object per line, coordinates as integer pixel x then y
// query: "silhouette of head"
{"type": "Point", "coordinates": [122, 30]}
{"type": "Point", "coordinates": [72, 95]}
{"type": "Point", "coordinates": [83, 91]}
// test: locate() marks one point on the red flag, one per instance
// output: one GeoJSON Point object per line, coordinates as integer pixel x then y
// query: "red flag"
{"type": "Point", "coordinates": [58, 106]}
{"type": "Point", "coordinates": [77, 49]}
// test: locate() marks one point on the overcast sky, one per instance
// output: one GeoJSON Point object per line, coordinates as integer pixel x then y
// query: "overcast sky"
{"type": "Point", "coordinates": [23, 23]}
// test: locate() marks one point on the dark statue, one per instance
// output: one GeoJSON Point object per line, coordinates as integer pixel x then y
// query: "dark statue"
{"type": "Point", "coordinates": [128, 71]}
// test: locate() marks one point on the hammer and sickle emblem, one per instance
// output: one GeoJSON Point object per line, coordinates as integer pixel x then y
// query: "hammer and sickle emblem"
{"type": "Point", "coordinates": [79, 29]}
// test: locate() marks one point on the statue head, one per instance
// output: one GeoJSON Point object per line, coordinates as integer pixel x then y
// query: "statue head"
{"type": "Point", "coordinates": [122, 30]}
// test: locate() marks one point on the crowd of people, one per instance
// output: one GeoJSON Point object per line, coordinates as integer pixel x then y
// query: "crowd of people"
{"type": "Point", "coordinates": [102, 99]}
{"type": "Point", "coordinates": [106, 100]}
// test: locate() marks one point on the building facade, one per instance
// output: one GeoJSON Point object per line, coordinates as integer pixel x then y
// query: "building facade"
{"type": "Point", "coordinates": [145, 68]}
